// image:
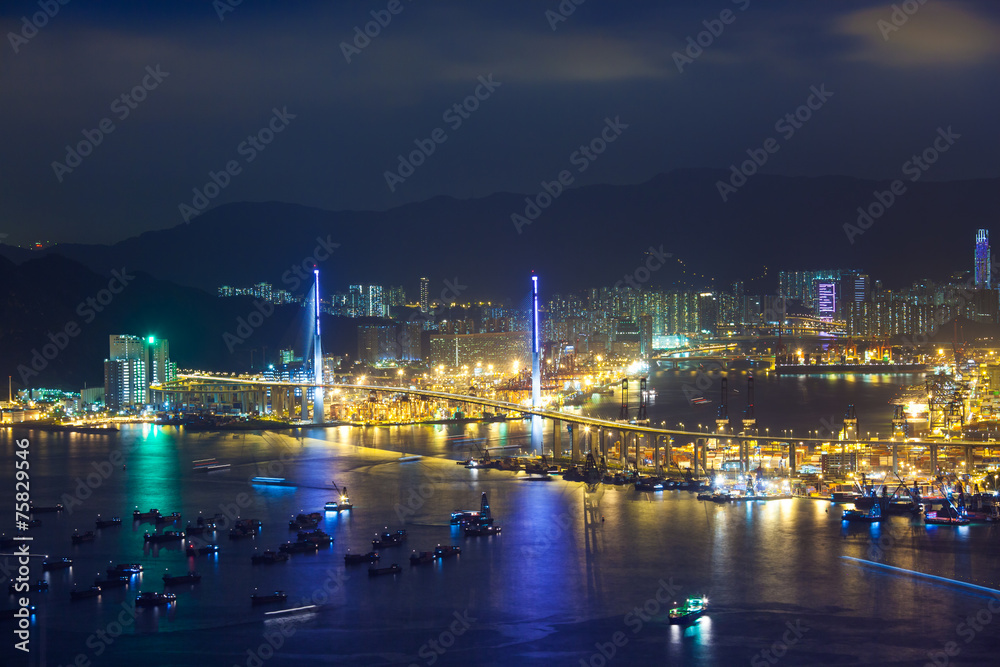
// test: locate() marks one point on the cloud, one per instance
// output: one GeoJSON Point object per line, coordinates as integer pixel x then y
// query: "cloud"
{"type": "Point", "coordinates": [937, 33]}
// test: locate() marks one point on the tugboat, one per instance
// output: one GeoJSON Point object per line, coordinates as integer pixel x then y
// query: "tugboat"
{"type": "Point", "coordinates": [150, 599]}
{"type": "Point", "coordinates": [38, 587]}
{"type": "Point", "coordinates": [191, 577]}
{"type": "Point", "coordinates": [690, 611]}
{"type": "Point", "coordinates": [79, 538]}
{"type": "Point", "coordinates": [357, 559]}
{"type": "Point", "coordinates": [112, 581]}
{"type": "Point", "coordinates": [299, 547]}
{"type": "Point", "coordinates": [91, 592]}
{"type": "Point", "coordinates": [61, 564]}
{"type": "Point", "coordinates": [109, 523]}
{"type": "Point", "coordinates": [268, 558]}
{"type": "Point", "coordinates": [421, 557]}
{"type": "Point", "coordinates": [276, 596]}
{"type": "Point", "coordinates": [378, 571]}
{"type": "Point", "coordinates": [446, 551]}
{"type": "Point", "coordinates": [166, 536]}
{"type": "Point", "coordinates": [125, 569]}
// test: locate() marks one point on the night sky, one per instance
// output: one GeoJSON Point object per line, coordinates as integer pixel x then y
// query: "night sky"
{"type": "Point", "coordinates": [211, 83]}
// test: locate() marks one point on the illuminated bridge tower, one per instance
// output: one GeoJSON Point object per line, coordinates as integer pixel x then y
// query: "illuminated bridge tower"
{"type": "Point", "coordinates": [318, 416]}
{"type": "Point", "coordinates": [536, 356]}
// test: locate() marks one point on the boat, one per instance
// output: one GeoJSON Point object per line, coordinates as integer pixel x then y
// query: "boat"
{"type": "Point", "coordinates": [267, 598]}
{"type": "Point", "coordinates": [446, 550]}
{"type": "Point", "coordinates": [464, 516]}
{"type": "Point", "coordinates": [268, 558]}
{"type": "Point", "coordinates": [872, 515]}
{"type": "Point", "coordinates": [478, 531]}
{"type": "Point", "coordinates": [145, 516]}
{"type": "Point", "coordinates": [378, 571]}
{"type": "Point", "coordinates": [690, 611]}
{"type": "Point", "coordinates": [416, 558]}
{"type": "Point", "coordinates": [173, 517]}
{"type": "Point", "coordinates": [38, 587]}
{"type": "Point", "coordinates": [191, 577]}
{"type": "Point", "coordinates": [298, 547]}
{"type": "Point", "coordinates": [46, 508]}
{"type": "Point", "coordinates": [80, 538]}
{"type": "Point", "coordinates": [389, 539]}
{"type": "Point", "coordinates": [706, 496]}
{"type": "Point", "coordinates": [91, 592]}
{"type": "Point", "coordinates": [933, 518]}
{"type": "Point", "coordinates": [245, 528]}
{"type": "Point", "coordinates": [166, 536]}
{"type": "Point", "coordinates": [649, 484]}
{"type": "Point", "coordinates": [125, 569]}
{"type": "Point", "coordinates": [273, 481]}
{"type": "Point", "coordinates": [339, 505]}
{"type": "Point", "coordinates": [301, 521]}
{"type": "Point", "coordinates": [112, 581]}
{"type": "Point", "coordinates": [150, 599]}
{"type": "Point", "coordinates": [208, 549]}
{"type": "Point", "coordinates": [108, 523]}
{"type": "Point", "coordinates": [721, 496]}
{"type": "Point", "coordinates": [61, 564]}
{"type": "Point", "coordinates": [356, 559]}
{"type": "Point", "coordinates": [317, 537]}
{"type": "Point", "coordinates": [404, 459]}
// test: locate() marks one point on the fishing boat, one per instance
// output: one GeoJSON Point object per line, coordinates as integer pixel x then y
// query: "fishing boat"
{"type": "Point", "coordinates": [379, 571]}
{"type": "Point", "coordinates": [357, 559]}
{"type": "Point", "coordinates": [191, 577]}
{"type": "Point", "coordinates": [690, 611]}
{"type": "Point", "coordinates": [267, 598]}
{"type": "Point", "coordinates": [108, 523]}
{"type": "Point", "coordinates": [151, 599]}
{"type": "Point", "coordinates": [125, 569]}
{"type": "Point", "coordinates": [446, 551]}
{"type": "Point", "coordinates": [166, 536]}
{"type": "Point", "coordinates": [61, 564]}
{"type": "Point", "coordinates": [80, 538]}
{"type": "Point", "coordinates": [38, 587]}
{"type": "Point", "coordinates": [85, 593]}
{"type": "Point", "coordinates": [268, 558]}
{"type": "Point", "coordinates": [416, 558]}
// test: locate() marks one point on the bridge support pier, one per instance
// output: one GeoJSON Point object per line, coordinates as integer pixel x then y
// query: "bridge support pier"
{"type": "Point", "coordinates": [895, 458]}
{"type": "Point", "coordinates": [968, 459]}
{"type": "Point", "coordinates": [575, 446]}
{"type": "Point", "coordinates": [305, 404]}
{"type": "Point", "coordinates": [791, 459]}
{"type": "Point", "coordinates": [602, 444]}
{"type": "Point", "coordinates": [556, 438]}
{"type": "Point", "coordinates": [934, 459]}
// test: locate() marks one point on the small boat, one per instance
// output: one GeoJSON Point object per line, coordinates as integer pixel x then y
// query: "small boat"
{"type": "Point", "coordinates": [446, 551]}
{"type": "Point", "coordinates": [208, 549]}
{"type": "Point", "coordinates": [705, 496]}
{"type": "Point", "coordinates": [317, 537]}
{"type": "Point", "coordinates": [690, 611]}
{"type": "Point", "coordinates": [80, 538]}
{"type": "Point", "coordinates": [266, 598]}
{"type": "Point", "coordinates": [421, 557]}
{"type": "Point", "coordinates": [245, 528]}
{"type": "Point", "coordinates": [46, 508]}
{"type": "Point", "coordinates": [108, 523]}
{"type": "Point", "coordinates": [478, 531]}
{"type": "Point", "coordinates": [873, 515]}
{"type": "Point", "coordinates": [268, 558]}
{"type": "Point", "coordinates": [125, 569]}
{"type": "Point", "coordinates": [305, 521]}
{"type": "Point", "coordinates": [721, 496]}
{"type": "Point", "coordinates": [357, 559]}
{"type": "Point", "coordinates": [935, 519]}
{"type": "Point", "coordinates": [91, 592]}
{"type": "Point", "coordinates": [145, 516]}
{"type": "Point", "coordinates": [61, 564]}
{"type": "Point", "coordinates": [298, 547]}
{"type": "Point", "coordinates": [464, 516]}
{"type": "Point", "coordinates": [338, 506]}
{"type": "Point", "coordinates": [378, 571]}
{"type": "Point", "coordinates": [166, 536]}
{"type": "Point", "coordinates": [191, 577]}
{"type": "Point", "coordinates": [389, 539]}
{"type": "Point", "coordinates": [112, 581]}
{"type": "Point", "coordinates": [173, 517]}
{"type": "Point", "coordinates": [192, 529]}
{"type": "Point", "coordinates": [38, 587]}
{"type": "Point", "coordinates": [150, 599]}
{"type": "Point", "coordinates": [649, 484]}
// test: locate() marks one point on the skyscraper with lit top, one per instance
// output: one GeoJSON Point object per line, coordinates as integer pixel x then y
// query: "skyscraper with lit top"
{"type": "Point", "coordinates": [984, 279]}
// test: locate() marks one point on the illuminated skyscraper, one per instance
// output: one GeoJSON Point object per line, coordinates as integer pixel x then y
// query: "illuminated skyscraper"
{"type": "Point", "coordinates": [425, 289]}
{"type": "Point", "coordinates": [984, 279]}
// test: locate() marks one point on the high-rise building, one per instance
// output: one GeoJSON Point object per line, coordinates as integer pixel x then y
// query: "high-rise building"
{"type": "Point", "coordinates": [826, 299]}
{"type": "Point", "coordinates": [124, 383]}
{"type": "Point", "coordinates": [425, 294]}
{"type": "Point", "coordinates": [126, 347]}
{"type": "Point", "coordinates": [161, 369]}
{"type": "Point", "coordinates": [983, 276]}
